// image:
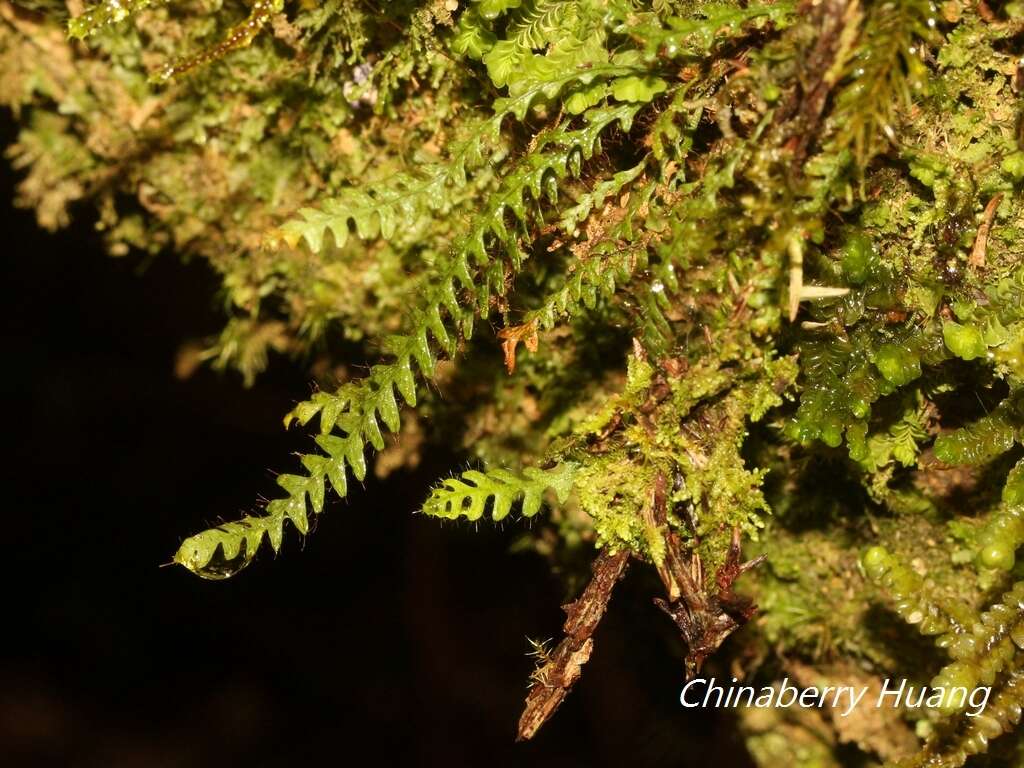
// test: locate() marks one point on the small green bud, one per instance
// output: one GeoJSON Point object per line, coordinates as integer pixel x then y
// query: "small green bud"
{"type": "Point", "coordinates": [998, 555]}
{"type": "Point", "coordinates": [802, 431]}
{"type": "Point", "coordinates": [1017, 635]}
{"type": "Point", "coordinates": [492, 9]}
{"type": "Point", "coordinates": [875, 562]}
{"type": "Point", "coordinates": [1013, 491]}
{"type": "Point", "coordinates": [923, 174]}
{"type": "Point", "coordinates": [860, 407]}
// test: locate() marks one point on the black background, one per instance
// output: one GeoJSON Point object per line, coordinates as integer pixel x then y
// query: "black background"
{"type": "Point", "coordinates": [384, 634]}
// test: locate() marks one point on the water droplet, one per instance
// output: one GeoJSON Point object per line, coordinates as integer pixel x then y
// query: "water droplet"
{"type": "Point", "coordinates": [217, 567]}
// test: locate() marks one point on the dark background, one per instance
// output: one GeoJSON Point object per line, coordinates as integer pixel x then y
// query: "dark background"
{"type": "Point", "coordinates": [384, 634]}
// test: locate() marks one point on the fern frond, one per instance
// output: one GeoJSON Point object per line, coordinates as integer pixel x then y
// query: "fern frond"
{"type": "Point", "coordinates": [601, 191]}
{"type": "Point", "coordinates": [575, 63]}
{"type": "Point", "coordinates": [668, 139]}
{"type": "Point", "coordinates": [883, 75]}
{"type": "Point", "coordinates": [351, 418]}
{"type": "Point", "coordinates": [606, 265]}
{"type": "Point", "coordinates": [377, 212]}
{"type": "Point", "coordinates": [373, 212]}
{"type": "Point", "coordinates": [473, 37]}
{"type": "Point", "coordinates": [497, 490]}
{"type": "Point", "coordinates": [552, 80]}
{"type": "Point", "coordinates": [541, 23]}
{"type": "Point", "coordinates": [900, 443]}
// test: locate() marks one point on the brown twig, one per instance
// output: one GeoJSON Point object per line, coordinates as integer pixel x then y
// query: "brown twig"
{"type": "Point", "coordinates": [980, 249]}
{"type": "Point", "coordinates": [706, 620]}
{"type": "Point", "coordinates": [553, 681]}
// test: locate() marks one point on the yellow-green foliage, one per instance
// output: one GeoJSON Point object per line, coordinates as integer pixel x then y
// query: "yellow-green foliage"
{"type": "Point", "coordinates": [661, 270]}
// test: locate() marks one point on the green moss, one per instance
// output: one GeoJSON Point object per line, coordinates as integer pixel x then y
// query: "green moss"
{"type": "Point", "coordinates": [679, 269]}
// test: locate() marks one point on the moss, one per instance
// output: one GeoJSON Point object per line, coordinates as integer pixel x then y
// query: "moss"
{"type": "Point", "coordinates": [741, 267]}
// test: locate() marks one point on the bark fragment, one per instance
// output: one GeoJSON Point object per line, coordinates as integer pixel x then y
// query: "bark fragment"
{"type": "Point", "coordinates": [705, 619]}
{"type": "Point", "coordinates": [556, 677]}
{"type": "Point", "coordinates": [980, 248]}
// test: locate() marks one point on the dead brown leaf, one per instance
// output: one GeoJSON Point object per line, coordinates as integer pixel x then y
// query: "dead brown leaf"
{"type": "Point", "coordinates": [511, 336]}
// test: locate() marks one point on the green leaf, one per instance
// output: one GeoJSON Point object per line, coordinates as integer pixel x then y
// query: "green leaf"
{"type": "Point", "coordinates": [965, 341]}
{"type": "Point", "coordinates": [474, 492]}
{"type": "Point", "coordinates": [641, 89]}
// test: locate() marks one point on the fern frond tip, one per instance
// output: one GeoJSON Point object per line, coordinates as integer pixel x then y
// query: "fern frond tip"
{"type": "Point", "coordinates": [473, 493]}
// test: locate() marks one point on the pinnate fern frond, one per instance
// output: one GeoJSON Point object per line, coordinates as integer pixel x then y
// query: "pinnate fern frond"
{"type": "Point", "coordinates": [542, 22]}
{"type": "Point", "coordinates": [601, 191]}
{"type": "Point", "coordinates": [351, 418]}
{"type": "Point", "coordinates": [475, 492]}
{"type": "Point", "coordinates": [554, 23]}
{"type": "Point", "coordinates": [377, 213]}
{"type": "Point", "coordinates": [607, 264]}
{"type": "Point", "coordinates": [473, 36]}
{"type": "Point", "coordinates": [883, 75]}
{"type": "Point", "coordinates": [554, 80]}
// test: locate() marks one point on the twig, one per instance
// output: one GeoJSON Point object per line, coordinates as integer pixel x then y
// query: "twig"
{"type": "Point", "coordinates": [706, 620]}
{"type": "Point", "coordinates": [554, 680]}
{"type": "Point", "coordinates": [980, 249]}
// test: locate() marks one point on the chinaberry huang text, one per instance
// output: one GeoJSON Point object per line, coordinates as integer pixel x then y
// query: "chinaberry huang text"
{"type": "Point", "coordinates": [708, 693]}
